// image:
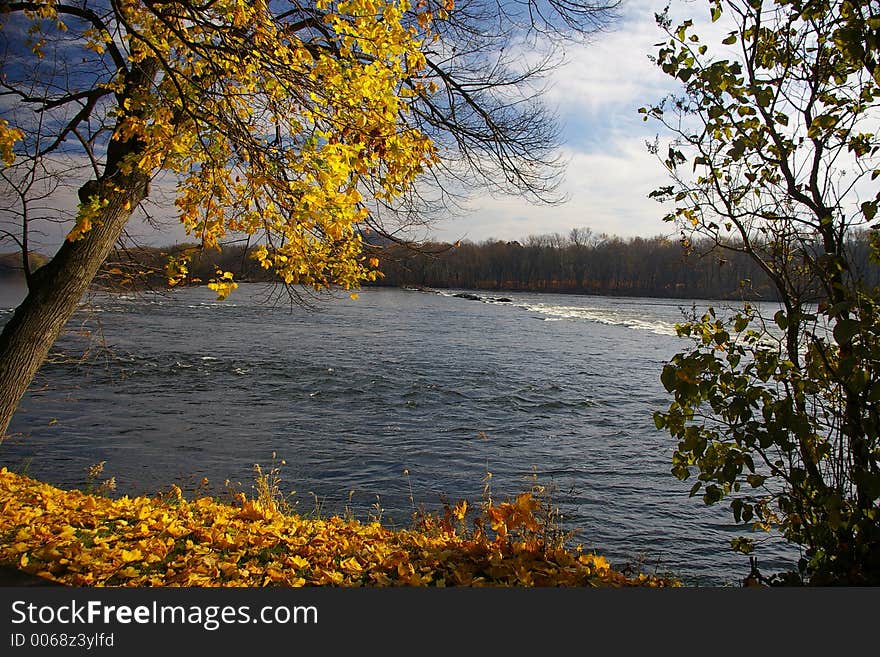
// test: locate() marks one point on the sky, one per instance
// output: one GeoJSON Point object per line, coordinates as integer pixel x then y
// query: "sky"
{"type": "Point", "coordinates": [596, 94]}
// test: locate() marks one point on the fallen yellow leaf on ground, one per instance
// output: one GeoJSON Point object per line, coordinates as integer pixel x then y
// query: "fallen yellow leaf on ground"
{"type": "Point", "coordinates": [86, 540]}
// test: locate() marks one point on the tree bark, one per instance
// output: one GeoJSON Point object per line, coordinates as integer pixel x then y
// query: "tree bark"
{"type": "Point", "coordinates": [56, 288]}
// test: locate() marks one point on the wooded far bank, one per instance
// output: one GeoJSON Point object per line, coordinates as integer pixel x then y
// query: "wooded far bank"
{"type": "Point", "coordinates": [580, 262]}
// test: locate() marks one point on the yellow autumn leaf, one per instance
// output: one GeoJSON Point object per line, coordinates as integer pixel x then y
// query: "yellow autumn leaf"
{"type": "Point", "coordinates": [203, 542]}
{"type": "Point", "coordinates": [131, 555]}
{"type": "Point", "coordinates": [298, 562]}
{"type": "Point", "coordinates": [8, 137]}
{"type": "Point", "coordinates": [351, 566]}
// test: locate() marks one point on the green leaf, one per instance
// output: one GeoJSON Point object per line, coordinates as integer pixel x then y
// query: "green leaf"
{"type": "Point", "coordinates": [713, 494]}
{"type": "Point", "coordinates": [845, 329]}
{"type": "Point", "coordinates": [730, 40]}
{"type": "Point", "coordinates": [742, 545]}
{"type": "Point", "coordinates": [764, 96]}
{"type": "Point", "coordinates": [821, 123]}
{"type": "Point", "coordinates": [682, 29]}
{"type": "Point", "coordinates": [659, 420]}
{"type": "Point", "coordinates": [736, 506]}
{"type": "Point", "coordinates": [781, 319]}
{"type": "Point", "coordinates": [738, 149]}
{"type": "Point", "coordinates": [756, 480]}
{"type": "Point", "coordinates": [668, 378]}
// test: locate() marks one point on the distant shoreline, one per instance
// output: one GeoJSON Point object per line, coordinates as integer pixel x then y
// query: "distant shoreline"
{"type": "Point", "coordinates": [496, 295]}
{"type": "Point", "coordinates": [623, 294]}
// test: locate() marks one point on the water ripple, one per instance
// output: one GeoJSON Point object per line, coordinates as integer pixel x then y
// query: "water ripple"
{"type": "Point", "coordinates": [183, 387]}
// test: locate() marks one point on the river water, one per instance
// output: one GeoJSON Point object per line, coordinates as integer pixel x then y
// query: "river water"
{"type": "Point", "coordinates": [382, 405]}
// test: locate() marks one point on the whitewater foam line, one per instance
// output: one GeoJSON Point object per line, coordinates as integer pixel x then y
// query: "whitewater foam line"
{"type": "Point", "coordinates": [599, 316]}
{"type": "Point", "coordinates": [561, 313]}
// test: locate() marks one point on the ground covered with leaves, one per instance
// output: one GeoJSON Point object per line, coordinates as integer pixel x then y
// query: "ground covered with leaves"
{"type": "Point", "coordinates": [82, 539]}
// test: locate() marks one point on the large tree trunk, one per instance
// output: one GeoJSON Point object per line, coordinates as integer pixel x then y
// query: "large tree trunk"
{"type": "Point", "coordinates": [56, 288]}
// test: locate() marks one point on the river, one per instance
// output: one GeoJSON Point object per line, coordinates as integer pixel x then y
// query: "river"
{"type": "Point", "coordinates": [384, 404]}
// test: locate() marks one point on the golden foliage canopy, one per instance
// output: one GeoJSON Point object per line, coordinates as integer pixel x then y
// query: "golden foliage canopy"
{"type": "Point", "coordinates": [278, 119]}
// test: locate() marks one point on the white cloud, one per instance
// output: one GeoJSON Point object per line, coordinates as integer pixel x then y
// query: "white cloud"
{"type": "Point", "coordinates": [607, 191]}
{"type": "Point", "coordinates": [597, 93]}
{"type": "Point", "coordinates": [612, 73]}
